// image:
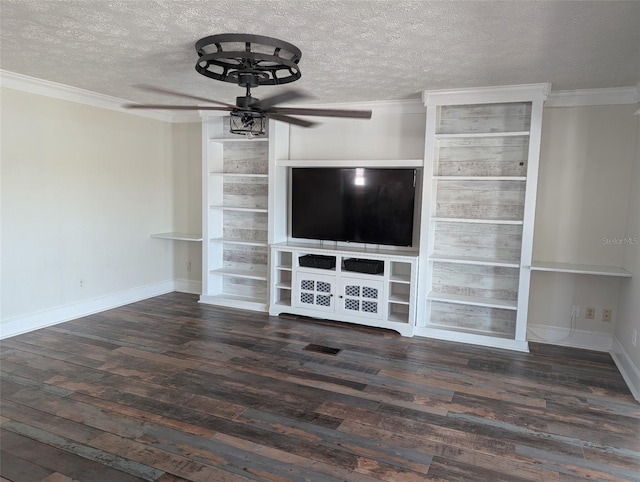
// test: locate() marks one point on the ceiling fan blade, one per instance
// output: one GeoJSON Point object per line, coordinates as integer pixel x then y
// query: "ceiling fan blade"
{"type": "Point", "coordinates": [291, 120]}
{"type": "Point", "coordinates": [176, 107]}
{"type": "Point", "coordinates": [355, 114]}
{"type": "Point", "coordinates": [278, 99]}
{"type": "Point", "coordinates": [158, 90]}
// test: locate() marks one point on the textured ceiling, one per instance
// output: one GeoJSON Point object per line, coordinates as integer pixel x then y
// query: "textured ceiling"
{"type": "Point", "coordinates": [351, 50]}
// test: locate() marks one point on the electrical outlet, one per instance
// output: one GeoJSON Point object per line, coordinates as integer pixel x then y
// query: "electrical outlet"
{"type": "Point", "coordinates": [575, 311]}
{"type": "Point", "coordinates": [189, 266]}
{"type": "Point", "coordinates": [589, 313]}
{"type": "Point", "coordinates": [606, 316]}
{"type": "Point", "coordinates": [81, 283]}
{"type": "Point", "coordinates": [634, 337]}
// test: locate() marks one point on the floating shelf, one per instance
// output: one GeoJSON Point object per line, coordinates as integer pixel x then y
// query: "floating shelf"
{"type": "Point", "coordinates": [580, 269]}
{"type": "Point", "coordinates": [472, 300]}
{"type": "Point", "coordinates": [178, 236]}
{"type": "Point", "coordinates": [506, 263]}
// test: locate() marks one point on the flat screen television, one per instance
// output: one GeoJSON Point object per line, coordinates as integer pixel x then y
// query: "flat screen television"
{"type": "Point", "coordinates": [360, 205]}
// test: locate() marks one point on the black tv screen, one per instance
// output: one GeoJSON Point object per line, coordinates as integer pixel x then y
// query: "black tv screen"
{"type": "Point", "coordinates": [359, 205]}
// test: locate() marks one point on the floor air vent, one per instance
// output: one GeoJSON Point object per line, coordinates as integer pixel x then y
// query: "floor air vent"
{"type": "Point", "coordinates": [327, 350]}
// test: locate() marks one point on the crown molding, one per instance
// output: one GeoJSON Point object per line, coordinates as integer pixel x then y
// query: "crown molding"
{"type": "Point", "coordinates": [32, 85]}
{"type": "Point", "coordinates": [585, 97]}
{"type": "Point", "coordinates": [474, 95]}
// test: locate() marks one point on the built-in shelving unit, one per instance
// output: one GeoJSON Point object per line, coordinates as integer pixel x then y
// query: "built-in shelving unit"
{"type": "Point", "coordinates": [481, 162]}
{"type": "Point", "coordinates": [236, 217]}
{"type": "Point", "coordinates": [178, 236]}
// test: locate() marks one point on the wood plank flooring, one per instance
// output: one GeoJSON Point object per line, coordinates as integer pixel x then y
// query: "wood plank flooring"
{"type": "Point", "coordinates": [170, 390]}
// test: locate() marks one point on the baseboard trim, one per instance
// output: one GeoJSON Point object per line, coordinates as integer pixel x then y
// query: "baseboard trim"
{"type": "Point", "coordinates": [553, 335]}
{"type": "Point", "coordinates": [23, 324]}
{"type": "Point", "coordinates": [188, 286]}
{"type": "Point", "coordinates": [629, 371]}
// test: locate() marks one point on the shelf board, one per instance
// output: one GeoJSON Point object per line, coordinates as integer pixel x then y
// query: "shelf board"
{"type": "Point", "coordinates": [482, 134]}
{"type": "Point", "coordinates": [478, 221]}
{"type": "Point", "coordinates": [239, 273]}
{"type": "Point", "coordinates": [284, 286]}
{"type": "Point", "coordinates": [580, 269]}
{"type": "Point", "coordinates": [404, 279]}
{"type": "Point", "coordinates": [239, 139]}
{"type": "Point", "coordinates": [370, 163]}
{"type": "Point", "coordinates": [473, 301]}
{"type": "Point", "coordinates": [239, 208]}
{"type": "Point", "coordinates": [178, 236]}
{"type": "Point", "coordinates": [401, 299]}
{"type": "Point", "coordinates": [238, 241]}
{"type": "Point", "coordinates": [480, 178]}
{"type": "Point", "coordinates": [506, 263]}
{"type": "Point", "coordinates": [284, 267]}
{"type": "Point", "coordinates": [236, 301]}
{"type": "Point", "coordinates": [233, 174]}
{"type": "Point", "coordinates": [471, 331]}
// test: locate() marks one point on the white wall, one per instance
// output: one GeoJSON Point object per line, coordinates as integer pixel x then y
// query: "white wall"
{"type": "Point", "coordinates": [82, 189]}
{"type": "Point", "coordinates": [583, 194]}
{"type": "Point", "coordinates": [187, 206]}
{"type": "Point", "coordinates": [628, 356]}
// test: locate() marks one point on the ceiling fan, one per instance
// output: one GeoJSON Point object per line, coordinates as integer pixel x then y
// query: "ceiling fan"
{"type": "Point", "coordinates": [250, 61]}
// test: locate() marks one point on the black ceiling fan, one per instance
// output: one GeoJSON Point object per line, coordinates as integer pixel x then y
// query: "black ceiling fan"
{"type": "Point", "coordinates": [250, 61]}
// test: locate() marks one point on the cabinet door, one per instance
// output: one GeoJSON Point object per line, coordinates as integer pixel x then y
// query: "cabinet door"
{"type": "Point", "coordinates": [361, 297]}
{"type": "Point", "coordinates": [315, 291]}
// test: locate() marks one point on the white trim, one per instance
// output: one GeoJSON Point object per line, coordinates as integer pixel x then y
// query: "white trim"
{"type": "Point", "coordinates": [188, 286]}
{"type": "Point", "coordinates": [472, 339]}
{"type": "Point", "coordinates": [584, 97]}
{"type": "Point", "coordinates": [628, 370]}
{"type": "Point", "coordinates": [25, 323]}
{"type": "Point", "coordinates": [32, 85]}
{"type": "Point", "coordinates": [350, 163]}
{"type": "Point", "coordinates": [485, 95]}
{"type": "Point", "coordinates": [554, 335]}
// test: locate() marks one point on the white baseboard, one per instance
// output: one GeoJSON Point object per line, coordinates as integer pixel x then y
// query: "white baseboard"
{"type": "Point", "coordinates": [23, 324]}
{"type": "Point", "coordinates": [553, 335]}
{"type": "Point", "coordinates": [629, 371]}
{"type": "Point", "coordinates": [188, 286]}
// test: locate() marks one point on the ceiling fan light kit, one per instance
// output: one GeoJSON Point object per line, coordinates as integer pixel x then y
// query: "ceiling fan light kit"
{"type": "Point", "coordinates": [251, 61]}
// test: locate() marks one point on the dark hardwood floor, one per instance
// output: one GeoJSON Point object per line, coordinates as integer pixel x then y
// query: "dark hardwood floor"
{"type": "Point", "coordinates": [167, 390]}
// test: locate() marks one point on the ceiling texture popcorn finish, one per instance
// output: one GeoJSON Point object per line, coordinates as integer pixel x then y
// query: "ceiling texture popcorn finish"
{"type": "Point", "coordinates": [351, 50]}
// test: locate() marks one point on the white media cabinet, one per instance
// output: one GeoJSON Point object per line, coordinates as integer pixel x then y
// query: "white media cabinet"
{"type": "Point", "coordinates": [386, 299]}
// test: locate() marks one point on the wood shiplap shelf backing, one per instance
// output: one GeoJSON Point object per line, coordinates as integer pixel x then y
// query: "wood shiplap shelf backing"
{"type": "Point", "coordinates": [235, 192]}
{"type": "Point", "coordinates": [481, 160]}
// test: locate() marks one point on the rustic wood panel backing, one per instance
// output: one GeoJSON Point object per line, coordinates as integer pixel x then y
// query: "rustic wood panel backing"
{"type": "Point", "coordinates": [170, 389]}
{"type": "Point", "coordinates": [246, 192]}
{"type": "Point", "coordinates": [471, 280]}
{"type": "Point", "coordinates": [475, 318]}
{"type": "Point", "coordinates": [482, 118]}
{"type": "Point", "coordinates": [485, 200]}
{"type": "Point", "coordinates": [480, 240]}
{"type": "Point", "coordinates": [502, 156]}
{"type": "Point", "coordinates": [245, 287]}
{"type": "Point", "coordinates": [246, 158]}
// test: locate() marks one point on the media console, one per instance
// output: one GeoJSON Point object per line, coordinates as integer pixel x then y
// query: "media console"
{"type": "Point", "coordinates": [374, 288]}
